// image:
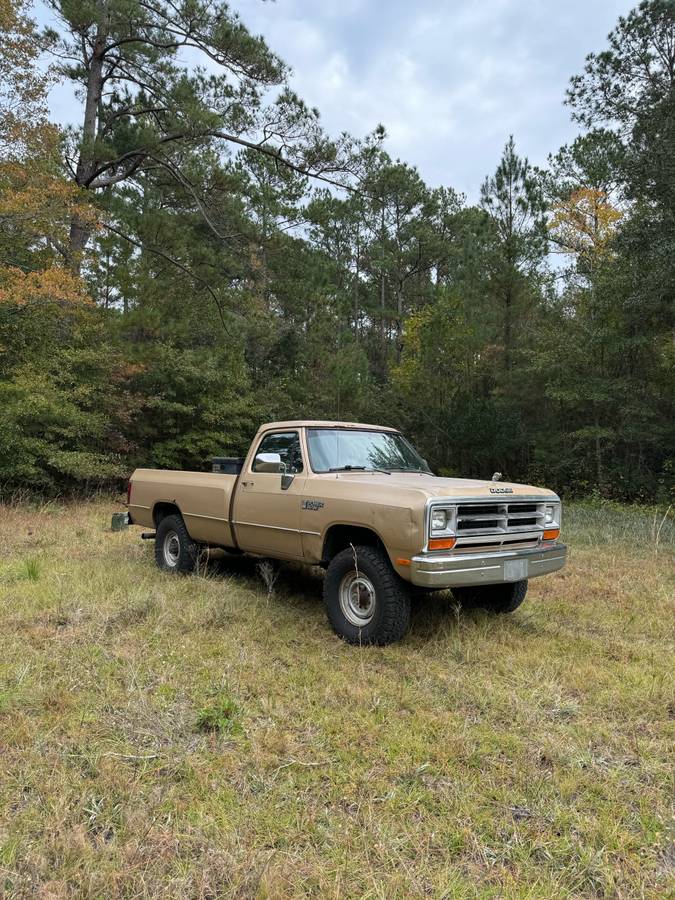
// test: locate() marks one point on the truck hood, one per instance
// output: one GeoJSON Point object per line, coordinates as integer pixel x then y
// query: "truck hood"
{"type": "Point", "coordinates": [433, 486]}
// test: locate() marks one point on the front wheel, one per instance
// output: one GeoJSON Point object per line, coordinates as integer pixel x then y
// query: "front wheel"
{"type": "Point", "coordinates": [366, 601]}
{"type": "Point", "coordinates": [497, 598]}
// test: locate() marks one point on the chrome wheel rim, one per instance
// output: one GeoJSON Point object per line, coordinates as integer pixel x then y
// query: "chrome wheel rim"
{"type": "Point", "coordinates": [171, 549]}
{"type": "Point", "coordinates": [357, 599]}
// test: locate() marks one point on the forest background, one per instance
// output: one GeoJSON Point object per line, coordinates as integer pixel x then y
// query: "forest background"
{"type": "Point", "coordinates": [199, 256]}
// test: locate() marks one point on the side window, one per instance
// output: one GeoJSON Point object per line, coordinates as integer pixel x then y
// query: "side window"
{"type": "Point", "coordinates": [287, 445]}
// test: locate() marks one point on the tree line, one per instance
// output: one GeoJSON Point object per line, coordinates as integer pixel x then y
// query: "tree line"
{"type": "Point", "coordinates": [198, 256]}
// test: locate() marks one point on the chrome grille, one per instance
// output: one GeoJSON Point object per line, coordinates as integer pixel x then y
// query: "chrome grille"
{"type": "Point", "coordinates": [513, 524]}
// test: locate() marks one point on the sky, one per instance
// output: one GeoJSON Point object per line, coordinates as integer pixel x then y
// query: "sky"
{"type": "Point", "coordinates": [449, 79]}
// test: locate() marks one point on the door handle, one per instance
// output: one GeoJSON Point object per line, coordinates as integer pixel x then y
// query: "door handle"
{"type": "Point", "coordinates": [247, 484]}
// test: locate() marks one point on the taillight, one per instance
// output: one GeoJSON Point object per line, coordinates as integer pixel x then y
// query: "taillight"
{"type": "Point", "coordinates": [129, 492]}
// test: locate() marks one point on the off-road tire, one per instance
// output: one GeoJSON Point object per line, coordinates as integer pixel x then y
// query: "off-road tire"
{"type": "Point", "coordinates": [391, 615]}
{"type": "Point", "coordinates": [496, 598]}
{"type": "Point", "coordinates": [185, 552]}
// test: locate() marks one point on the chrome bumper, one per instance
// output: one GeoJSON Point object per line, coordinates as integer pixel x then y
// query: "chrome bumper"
{"type": "Point", "coordinates": [431, 570]}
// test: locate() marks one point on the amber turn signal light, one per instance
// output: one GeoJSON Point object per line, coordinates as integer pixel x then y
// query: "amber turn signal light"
{"type": "Point", "coordinates": [552, 534]}
{"type": "Point", "coordinates": [442, 543]}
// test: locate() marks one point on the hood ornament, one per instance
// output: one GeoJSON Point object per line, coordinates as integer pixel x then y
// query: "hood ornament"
{"type": "Point", "coordinates": [497, 476]}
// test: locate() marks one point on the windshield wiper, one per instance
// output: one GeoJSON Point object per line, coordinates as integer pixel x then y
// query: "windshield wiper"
{"type": "Point", "coordinates": [406, 469]}
{"type": "Point", "coordinates": [357, 469]}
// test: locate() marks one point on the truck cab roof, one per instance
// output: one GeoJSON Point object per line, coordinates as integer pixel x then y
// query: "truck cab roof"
{"type": "Point", "coordinates": [323, 423]}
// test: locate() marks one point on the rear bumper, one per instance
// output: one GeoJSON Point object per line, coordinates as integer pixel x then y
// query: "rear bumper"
{"type": "Point", "coordinates": [431, 570]}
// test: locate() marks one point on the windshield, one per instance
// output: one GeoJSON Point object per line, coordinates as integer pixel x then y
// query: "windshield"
{"type": "Point", "coordinates": [336, 449]}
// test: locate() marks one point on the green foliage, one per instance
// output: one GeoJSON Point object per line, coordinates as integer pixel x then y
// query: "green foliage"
{"type": "Point", "coordinates": [31, 569]}
{"type": "Point", "coordinates": [58, 413]}
{"type": "Point", "coordinates": [221, 715]}
{"type": "Point", "coordinates": [193, 405]}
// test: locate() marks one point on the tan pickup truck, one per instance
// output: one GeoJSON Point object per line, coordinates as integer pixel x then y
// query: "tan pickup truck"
{"type": "Point", "coordinates": [359, 501]}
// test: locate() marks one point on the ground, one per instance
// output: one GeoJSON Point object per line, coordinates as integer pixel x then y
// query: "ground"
{"type": "Point", "coordinates": [203, 737]}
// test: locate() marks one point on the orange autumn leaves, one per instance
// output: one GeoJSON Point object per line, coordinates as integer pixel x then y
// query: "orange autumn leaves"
{"type": "Point", "coordinates": [584, 223]}
{"type": "Point", "coordinates": [37, 203]}
{"type": "Point", "coordinates": [36, 208]}
{"type": "Point", "coordinates": [51, 285]}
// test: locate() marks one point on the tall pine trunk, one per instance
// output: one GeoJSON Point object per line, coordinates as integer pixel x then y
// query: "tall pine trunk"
{"type": "Point", "coordinates": [80, 229]}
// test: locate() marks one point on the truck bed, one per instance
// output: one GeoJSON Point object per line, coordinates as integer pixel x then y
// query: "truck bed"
{"type": "Point", "coordinates": [203, 498]}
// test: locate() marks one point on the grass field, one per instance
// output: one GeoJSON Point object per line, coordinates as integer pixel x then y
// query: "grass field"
{"type": "Point", "coordinates": [199, 737]}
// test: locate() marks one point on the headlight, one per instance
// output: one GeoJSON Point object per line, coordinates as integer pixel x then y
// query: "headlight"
{"type": "Point", "coordinates": [442, 521]}
{"type": "Point", "coordinates": [552, 514]}
{"type": "Point", "coordinates": [439, 520]}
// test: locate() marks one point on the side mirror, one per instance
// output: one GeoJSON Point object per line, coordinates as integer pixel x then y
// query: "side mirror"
{"type": "Point", "coordinates": [267, 462]}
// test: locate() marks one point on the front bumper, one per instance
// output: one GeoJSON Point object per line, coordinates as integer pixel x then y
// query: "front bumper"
{"type": "Point", "coordinates": [431, 570]}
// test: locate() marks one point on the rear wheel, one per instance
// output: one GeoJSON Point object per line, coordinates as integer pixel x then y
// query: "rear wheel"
{"type": "Point", "coordinates": [366, 601]}
{"type": "Point", "coordinates": [497, 598]}
{"type": "Point", "coordinates": [175, 551]}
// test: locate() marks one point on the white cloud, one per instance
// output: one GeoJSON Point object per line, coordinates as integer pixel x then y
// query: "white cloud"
{"type": "Point", "coordinates": [449, 80]}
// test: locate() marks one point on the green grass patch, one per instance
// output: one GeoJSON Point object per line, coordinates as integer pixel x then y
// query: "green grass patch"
{"type": "Point", "coordinates": [220, 715]}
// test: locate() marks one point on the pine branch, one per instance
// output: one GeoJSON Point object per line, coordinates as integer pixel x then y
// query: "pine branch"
{"type": "Point", "coordinates": [174, 262]}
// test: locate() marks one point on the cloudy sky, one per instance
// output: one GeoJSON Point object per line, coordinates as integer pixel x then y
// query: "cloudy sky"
{"type": "Point", "coordinates": [449, 79]}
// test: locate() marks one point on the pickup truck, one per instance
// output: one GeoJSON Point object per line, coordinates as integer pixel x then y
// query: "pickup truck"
{"type": "Point", "coordinates": [359, 501]}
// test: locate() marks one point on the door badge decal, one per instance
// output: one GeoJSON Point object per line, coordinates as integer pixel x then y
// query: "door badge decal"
{"type": "Point", "coordinates": [313, 504]}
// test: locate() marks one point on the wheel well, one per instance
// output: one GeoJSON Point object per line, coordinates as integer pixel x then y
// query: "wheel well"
{"type": "Point", "coordinates": [339, 537]}
{"type": "Point", "coordinates": [162, 510]}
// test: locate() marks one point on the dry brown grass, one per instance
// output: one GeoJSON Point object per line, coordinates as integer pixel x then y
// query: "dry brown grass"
{"type": "Point", "coordinates": [196, 737]}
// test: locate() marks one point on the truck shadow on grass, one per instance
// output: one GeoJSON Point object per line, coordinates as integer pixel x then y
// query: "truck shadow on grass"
{"type": "Point", "coordinates": [301, 587]}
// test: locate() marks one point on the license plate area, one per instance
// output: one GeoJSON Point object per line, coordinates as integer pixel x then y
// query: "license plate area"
{"type": "Point", "coordinates": [515, 569]}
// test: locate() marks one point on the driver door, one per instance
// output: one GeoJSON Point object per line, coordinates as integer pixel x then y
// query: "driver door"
{"type": "Point", "coordinates": [267, 516]}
